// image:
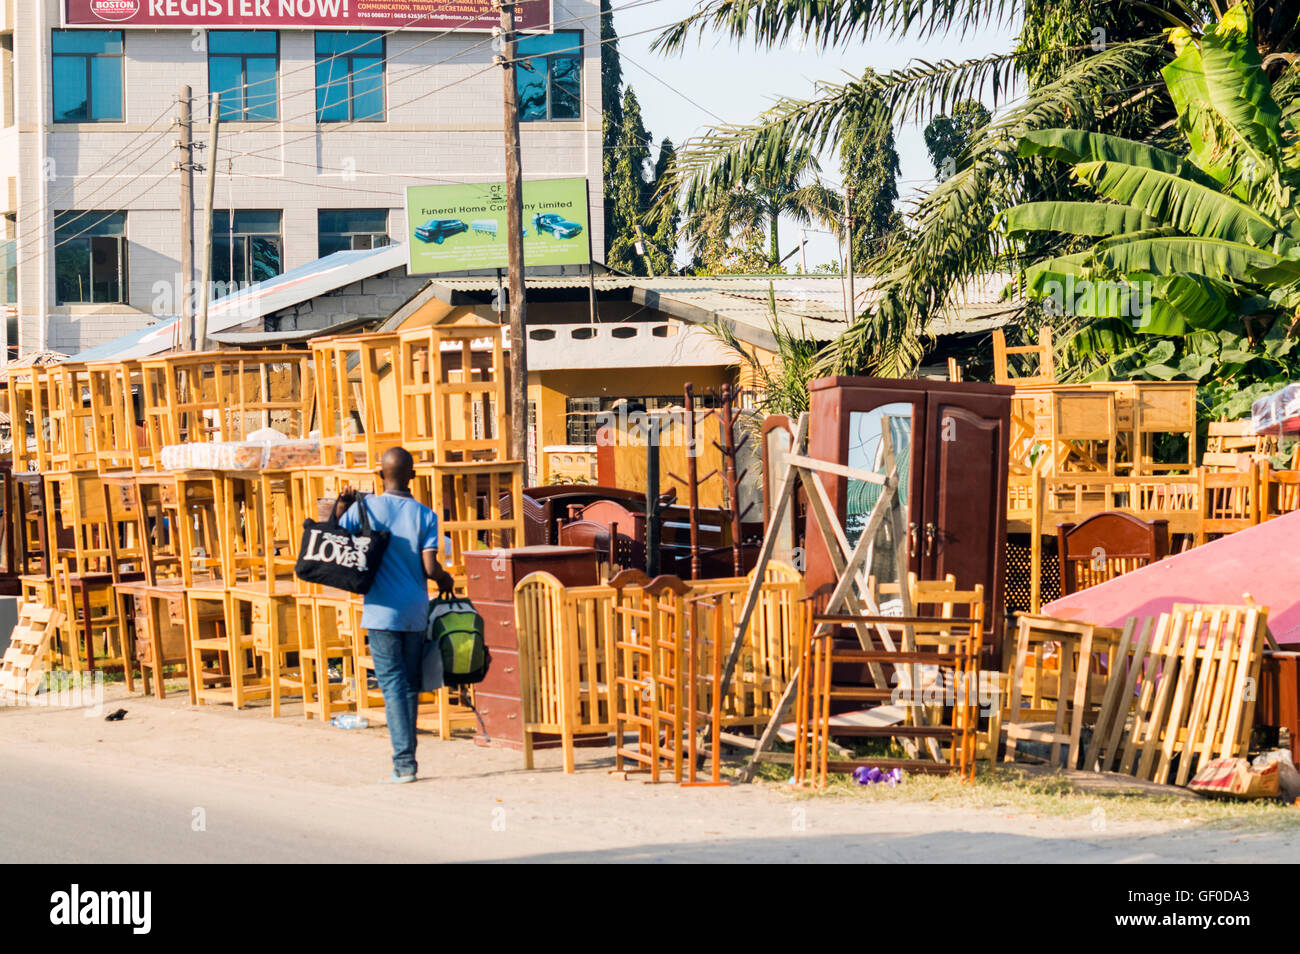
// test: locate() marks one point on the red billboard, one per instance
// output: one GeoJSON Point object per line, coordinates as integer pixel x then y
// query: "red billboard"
{"type": "Point", "coordinates": [476, 15]}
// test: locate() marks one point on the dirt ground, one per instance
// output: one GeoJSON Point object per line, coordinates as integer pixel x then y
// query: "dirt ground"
{"type": "Point", "coordinates": [175, 783]}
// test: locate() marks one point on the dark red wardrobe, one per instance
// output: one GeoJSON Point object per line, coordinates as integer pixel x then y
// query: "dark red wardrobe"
{"type": "Point", "coordinates": [956, 437]}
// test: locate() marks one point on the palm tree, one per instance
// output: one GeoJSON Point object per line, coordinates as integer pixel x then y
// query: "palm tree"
{"type": "Point", "coordinates": [1101, 81]}
{"type": "Point", "coordinates": [1183, 266]}
{"type": "Point", "coordinates": [716, 220]}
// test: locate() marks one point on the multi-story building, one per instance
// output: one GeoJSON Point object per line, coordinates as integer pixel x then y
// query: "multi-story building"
{"type": "Point", "coordinates": [329, 110]}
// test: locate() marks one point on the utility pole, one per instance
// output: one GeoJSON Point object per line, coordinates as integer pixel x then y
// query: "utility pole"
{"type": "Point", "coordinates": [851, 311]}
{"type": "Point", "coordinates": [201, 331]}
{"type": "Point", "coordinates": [643, 252]}
{"type": "Point", "coordinates": [184, 119]}
{"type": "Point", "coordinates": [514, 241]}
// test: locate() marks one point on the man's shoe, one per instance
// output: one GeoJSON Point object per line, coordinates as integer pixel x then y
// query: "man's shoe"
{"type": "Point", "coordinates": [396, 779]}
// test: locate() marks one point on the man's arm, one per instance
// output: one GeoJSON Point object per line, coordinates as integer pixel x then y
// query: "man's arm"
{"type": "Point", "coordinates": [434, 571]}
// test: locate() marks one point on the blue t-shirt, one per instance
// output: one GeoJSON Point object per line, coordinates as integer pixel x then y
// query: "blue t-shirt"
{"type": "Point", "coordinates": [399, 597]}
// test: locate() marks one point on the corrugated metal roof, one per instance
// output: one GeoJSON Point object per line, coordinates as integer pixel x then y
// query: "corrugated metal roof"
{"type": "Point", "coordinates": [260, 299]}
{"type": "Point", "coordinates": [807, 305]}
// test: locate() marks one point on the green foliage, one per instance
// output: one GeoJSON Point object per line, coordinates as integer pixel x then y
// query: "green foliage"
{"type": "Point", "coordinates": [640, 243]}
{"type": "Point", "coordinates": [948, 137]}
{"type": "Point", "coordinates": [1199, 258]}
{"type": "Point", "coordinates": [1073, 76]}
{"type": "Point", "coordinates": [726, 228]}
{"type": "Point", "coordinates": [611, 98]}
{"type": "Point", "coordinates": [869, 166]}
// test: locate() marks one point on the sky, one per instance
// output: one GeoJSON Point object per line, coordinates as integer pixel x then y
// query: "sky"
{"type": "Point", "coordinates": [715, 80]}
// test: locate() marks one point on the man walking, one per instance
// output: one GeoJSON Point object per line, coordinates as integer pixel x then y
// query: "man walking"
{"type": "Point", "coordinates": [396, 607]}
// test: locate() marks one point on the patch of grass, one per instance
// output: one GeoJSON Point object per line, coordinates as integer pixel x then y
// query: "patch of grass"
{"type": "Point", "coordinates": [1050, 794]}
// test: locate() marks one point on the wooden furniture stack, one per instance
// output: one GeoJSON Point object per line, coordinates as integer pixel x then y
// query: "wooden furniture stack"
{"type": "Point", "coordinates": [453, 399]}
{"type": "Point", "coordinates": [952, 442]}
{"type": "Point", "coordinates": [225, 395]}
{"type": "Point", "coordinates": [236, 529]}
{"type": "Point", "coordinates": [93, 528]}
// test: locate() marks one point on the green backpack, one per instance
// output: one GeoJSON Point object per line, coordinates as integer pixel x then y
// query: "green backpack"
{"type": "Point", "coordinates": [456, 628]}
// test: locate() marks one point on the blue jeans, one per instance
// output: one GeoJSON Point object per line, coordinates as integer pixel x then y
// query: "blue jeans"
{"type": "Point", "coordinates": [397, 668]}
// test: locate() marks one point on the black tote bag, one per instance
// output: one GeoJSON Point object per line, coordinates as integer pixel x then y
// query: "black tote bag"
{"type": "Point", "coordinates": [331, 556]}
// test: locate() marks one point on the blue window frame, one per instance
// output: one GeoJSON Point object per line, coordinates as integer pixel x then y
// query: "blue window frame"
{"type": "Point", "coordinates": [90, 257]}
{"type": "Point", "coordinates": [349, 76]}
{"type": "Point", "coordinates": [87, 68]}
{"type": "Point", "coordinates": [243, 66]}
{"type": "Point", "coordinates": [550, 79]}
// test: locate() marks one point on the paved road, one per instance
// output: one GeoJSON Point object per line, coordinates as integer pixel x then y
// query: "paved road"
{"type": "Point", "coordinates": [174, 784]}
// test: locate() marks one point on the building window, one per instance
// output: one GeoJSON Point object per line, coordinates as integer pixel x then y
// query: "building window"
{"type": "Point", "coordinates": [89, 257]}
{"type": "Point", "coordinates": [87, 76]}
{"type": "Point", "coordinates": [247, 247]}
{"type": "Point", "coordinates": [583, 415]}
{"type": "Point", "coordinates": [340, 230]}
{"type": "Point", "coordinates": [349, 77]}
{"type": "Point", "coordinates": [242, 67]}
{"type": "Point", "coordinates": [550, 79]}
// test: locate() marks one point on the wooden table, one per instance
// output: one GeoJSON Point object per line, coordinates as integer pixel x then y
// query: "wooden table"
{"type": "Point", "coordinates": [158, 611]}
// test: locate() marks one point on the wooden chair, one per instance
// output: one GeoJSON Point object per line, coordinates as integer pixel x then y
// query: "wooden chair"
{"type": "Point", "coordinates": [453, 393]}
{"type": "Point", "coordinates": [1079, 688]}
{"type": "Point", "coordinates": [1229, 502]}
{"type": "Point", "coordinates": [1230, 444]}
{"type": "Point", "coordinates": [1279, 491]}
{"type": "Point", "coordinates": [324, 633]}
{"type": "Point", "coordinates": [1107, 545]}
{"type": "Point", "coordinates": [358, 397]}
{"type": "Point", "coordinates": [1046, 373]}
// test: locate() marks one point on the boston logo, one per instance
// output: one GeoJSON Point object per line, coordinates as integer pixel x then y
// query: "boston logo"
{"type": "Point", "coordinates": [97, 908]}
{"type": "Point", "coordinates": [115, 9]}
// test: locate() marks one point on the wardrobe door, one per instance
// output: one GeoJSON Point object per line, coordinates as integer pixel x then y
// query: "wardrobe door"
{"type": "Point", "coordinates": [963, 512]}
{"type": "Point", "coordinates": [859, 422]}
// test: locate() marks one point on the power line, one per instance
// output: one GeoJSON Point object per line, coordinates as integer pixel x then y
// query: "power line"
{"type": "Point", "coordinates": [347, 124]}
{"type": "Point", "coordinates": [102, 166]}
{"type": "Point", "coordinates": [102, 213]}
{"type": "Point", "coordinates": [339, 126]}
{"type": "Point", "coordinates": [43, 232]}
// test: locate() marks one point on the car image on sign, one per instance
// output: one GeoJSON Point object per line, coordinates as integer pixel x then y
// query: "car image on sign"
{"type": "Point", "coordinates": [436, 230]}
{"type": "Point", "coordinates": [557, 225]}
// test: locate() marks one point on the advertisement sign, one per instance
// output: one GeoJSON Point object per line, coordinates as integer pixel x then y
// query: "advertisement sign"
{"type": "Point", "coordinates": [470, 15]}
{"type": "Point", "coordinates": [453, 228]}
